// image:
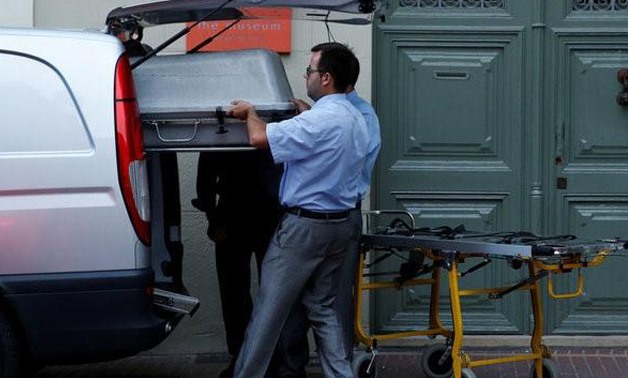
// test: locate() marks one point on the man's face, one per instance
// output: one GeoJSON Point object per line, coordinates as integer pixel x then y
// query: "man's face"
{"type": "Point", "coordinates": [124, 35]}
{"type": "Point", "coordinates": [313, 78]}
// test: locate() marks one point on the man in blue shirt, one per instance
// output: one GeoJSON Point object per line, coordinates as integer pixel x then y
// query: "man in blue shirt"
{"type": "Point", "coordinates": [293, 349]}
{"type": "Point", "coordinates": [323, 151]}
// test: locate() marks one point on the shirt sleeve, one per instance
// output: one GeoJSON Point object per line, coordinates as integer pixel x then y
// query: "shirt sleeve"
{"type": "Point", "coordinates": [292, 139]}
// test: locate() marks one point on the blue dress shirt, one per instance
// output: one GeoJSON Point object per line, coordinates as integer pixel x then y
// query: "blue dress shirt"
{"type": "Point", "coordinates": [323, 150]}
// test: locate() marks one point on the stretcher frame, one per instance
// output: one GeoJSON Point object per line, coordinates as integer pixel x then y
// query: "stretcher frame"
{"type": "Point", "coordinates": [562, 259]}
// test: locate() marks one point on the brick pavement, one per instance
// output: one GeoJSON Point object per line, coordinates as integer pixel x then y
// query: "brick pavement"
{"type": "Point", "coordinates": [572, 362]}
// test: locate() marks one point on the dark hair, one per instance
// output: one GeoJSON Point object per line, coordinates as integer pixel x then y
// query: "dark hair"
{"type": "Point", "coordinates": [339, 61]}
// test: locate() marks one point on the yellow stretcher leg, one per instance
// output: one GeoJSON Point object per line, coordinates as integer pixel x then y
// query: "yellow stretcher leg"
{"type": "Point", "coordinates": [539, 350]}
{"type": "Point", "coordinates": [435, 322]}
{"type": "Point", "coordinates": [456, 316]}
{"type": "Point", "coordinates": [360, 334]}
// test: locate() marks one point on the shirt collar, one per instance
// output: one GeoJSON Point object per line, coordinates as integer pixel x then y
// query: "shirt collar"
{"type": "Point", "coordinates": [331, 98]}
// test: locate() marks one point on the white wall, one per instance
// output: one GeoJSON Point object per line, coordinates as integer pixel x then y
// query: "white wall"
{"type": "Point", "coordinates": [204, 332]}
{"type": "Point", "coordinates": [16, 13]}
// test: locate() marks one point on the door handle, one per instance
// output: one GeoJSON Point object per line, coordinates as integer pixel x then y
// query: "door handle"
{"type": "Point", "coordinates": [622, 78]}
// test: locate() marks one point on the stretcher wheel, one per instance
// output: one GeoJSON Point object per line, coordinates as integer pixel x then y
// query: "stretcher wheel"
{"type": "Point", "coordinates": [468, 373]}
{"type": "Point", "coordinates": [361, 364]}
{"type": "Point", "coordinates": [431, 362]}
{"type": "Point", "coordinates": [549, 369]}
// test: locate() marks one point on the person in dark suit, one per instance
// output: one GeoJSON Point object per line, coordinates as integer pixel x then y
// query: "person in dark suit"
{"type": "Point", "coordinates": [238, 191]}
{"type": "Point", "coordinates": [131, 35]}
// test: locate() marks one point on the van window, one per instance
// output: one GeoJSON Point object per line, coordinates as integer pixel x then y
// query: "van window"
{"type": "Point", "coordinates": [38, 114]}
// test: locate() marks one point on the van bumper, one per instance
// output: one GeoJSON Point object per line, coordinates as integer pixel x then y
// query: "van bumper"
{"type": "Point", "coordinates": [85, 317]}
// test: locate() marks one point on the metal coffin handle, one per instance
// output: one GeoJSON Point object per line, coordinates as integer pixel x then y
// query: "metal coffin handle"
{"type": "Point", "coordinates": [175, 140]}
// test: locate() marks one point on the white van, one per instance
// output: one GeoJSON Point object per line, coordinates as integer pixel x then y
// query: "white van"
{"type": "Point", "coordinates": [90, 250]}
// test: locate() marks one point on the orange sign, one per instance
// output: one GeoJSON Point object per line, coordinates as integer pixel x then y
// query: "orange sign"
{"type": "Point", "coordinates": [269, 28]}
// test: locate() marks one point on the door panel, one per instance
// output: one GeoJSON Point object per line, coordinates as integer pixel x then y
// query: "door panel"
{"type": "Point", "coordinates": [439, 91]}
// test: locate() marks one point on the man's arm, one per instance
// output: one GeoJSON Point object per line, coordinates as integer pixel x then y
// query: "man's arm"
{"type": "Point", "coordinates": [254, 124]}
{"type": "Point", "coordinates": [208, 188]}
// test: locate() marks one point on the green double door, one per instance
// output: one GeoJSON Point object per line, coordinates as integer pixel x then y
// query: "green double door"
{"type": "Point", "coordinates": [503, 115]}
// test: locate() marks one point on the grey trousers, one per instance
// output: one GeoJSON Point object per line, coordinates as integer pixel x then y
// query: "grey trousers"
{"type": "Point", "coordinates": [303, 263]}
{"type": "Point", "coordinates": [293, 352]}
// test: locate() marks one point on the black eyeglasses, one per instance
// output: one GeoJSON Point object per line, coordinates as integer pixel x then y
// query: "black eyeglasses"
{"type": "Point", "coordinates": [309, 70]}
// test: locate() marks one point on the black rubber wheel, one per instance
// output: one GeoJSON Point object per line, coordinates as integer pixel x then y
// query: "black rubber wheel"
{"type": "Point", "coordinates": [468, 373]}
{"type": "Point", "coordinates": [360, 365]}
{"type": "Point", "coordinates": [431, 362]}
{"type": "Point", "coordinates": [10, 355]}
{"type": "Point", "coordinates": [549, 369]}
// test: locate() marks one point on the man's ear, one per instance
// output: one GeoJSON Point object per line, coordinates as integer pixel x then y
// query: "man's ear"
{"type": "Point", "coordinates": [327, 80]}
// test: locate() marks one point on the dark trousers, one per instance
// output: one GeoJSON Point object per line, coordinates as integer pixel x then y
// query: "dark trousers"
{"type": "Point", "coordinates": [233, 266]}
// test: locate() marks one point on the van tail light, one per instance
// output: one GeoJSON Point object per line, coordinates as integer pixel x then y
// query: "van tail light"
{"type": "Point", "coordinates": [132, 170]}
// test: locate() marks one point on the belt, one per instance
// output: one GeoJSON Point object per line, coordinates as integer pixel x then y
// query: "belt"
{"type": "Point", "coordinates": [299, 211]}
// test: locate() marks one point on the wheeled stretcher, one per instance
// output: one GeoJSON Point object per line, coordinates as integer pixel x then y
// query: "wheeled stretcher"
{"type": "Point", "coordinates": [429, 253]}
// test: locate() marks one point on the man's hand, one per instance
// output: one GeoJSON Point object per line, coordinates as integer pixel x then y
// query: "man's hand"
{"type": "Point", "coordinates": [241, 109]}
{"type": "Point", "coordinates": [217, 233]}
{"type": "Point", "coordinates": [300, 104]}
{"type": "Point", "coordinates": [255, 126]}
